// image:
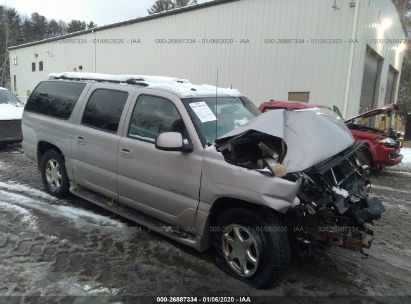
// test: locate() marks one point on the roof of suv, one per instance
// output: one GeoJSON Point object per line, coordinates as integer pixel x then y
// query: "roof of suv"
{"type": "Point", "coordinates": [180, 87]}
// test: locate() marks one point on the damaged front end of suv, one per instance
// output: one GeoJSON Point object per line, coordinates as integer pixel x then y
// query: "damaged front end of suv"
{"type": "Point", "coordinates": [315, 149]}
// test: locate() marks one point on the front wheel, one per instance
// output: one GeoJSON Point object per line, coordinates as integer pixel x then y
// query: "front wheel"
{"type": "Point", "coordinates": [252, 246]}
{"type": "Point", "coordinates": [54, 175]}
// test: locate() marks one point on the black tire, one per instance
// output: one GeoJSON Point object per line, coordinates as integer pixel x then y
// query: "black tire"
{"type": "Point", "coordinates": [365, 158]}
{"type": "Point", "coordinates": [272, 241]}
{"type": "Point", "coordinates": [63, 190]}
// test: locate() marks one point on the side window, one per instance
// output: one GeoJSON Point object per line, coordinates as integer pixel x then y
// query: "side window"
{"type": "Point", "coordinates": [104, 109]}
{"type": "Point", "coordinates": [55, 98]}
{"type": "Point", "coordinates": [154, 115]}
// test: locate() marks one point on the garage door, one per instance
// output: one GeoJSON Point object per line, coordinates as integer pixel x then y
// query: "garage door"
{"type": "Point", "coordinates": [369, 82]}
{"type": "Point", "coordinates": [391, 84]}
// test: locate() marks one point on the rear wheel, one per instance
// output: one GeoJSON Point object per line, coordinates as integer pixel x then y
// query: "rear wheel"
{"type": "Point", "coordinates": [54, 175]}
{"type": "Point", "coordinates": [252, 246]}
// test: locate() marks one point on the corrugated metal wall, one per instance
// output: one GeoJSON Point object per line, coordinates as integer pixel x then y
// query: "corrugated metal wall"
{"type": "Point", "coordinates": [379, 30]}
{"type": "Point", "coordinates": [261, 70]}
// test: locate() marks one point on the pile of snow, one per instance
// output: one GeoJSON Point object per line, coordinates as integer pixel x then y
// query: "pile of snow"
{"type": "Point", "coordinates": [10, 112]}
{"type": "Point", "coordinates": [181, 87]}
{"type": "Point", "coordinates": [406, 152]}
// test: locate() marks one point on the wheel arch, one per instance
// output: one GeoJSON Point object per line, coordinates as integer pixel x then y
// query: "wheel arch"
{"type": "Point", "coordinates": [224, 203]}
{"type": "Point", "coordinates": [43, 147]}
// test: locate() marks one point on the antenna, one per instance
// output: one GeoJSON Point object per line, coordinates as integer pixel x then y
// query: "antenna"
{"type": "Point", "coordinates": [216, 110]}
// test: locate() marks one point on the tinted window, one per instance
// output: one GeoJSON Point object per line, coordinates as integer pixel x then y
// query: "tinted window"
{"type": "Point", "coordinates": [104, 109]}
{"type": "Point", "coordinates": [154, 115]}
{"type": "Point", "coordinates": [55, 98]}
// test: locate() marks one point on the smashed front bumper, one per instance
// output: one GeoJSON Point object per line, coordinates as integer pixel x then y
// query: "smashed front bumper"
{"type": "Point", "coordinates": [335, 207]}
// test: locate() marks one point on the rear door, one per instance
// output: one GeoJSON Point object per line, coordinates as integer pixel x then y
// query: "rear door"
{"type": "Point", "coordinates": [163, 184]}
{"type": "Point", "coordinates": [96, 138]}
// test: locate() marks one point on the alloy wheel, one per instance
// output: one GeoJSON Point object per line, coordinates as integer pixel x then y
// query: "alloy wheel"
{"type": "Point", "coordinates": [240, 250]}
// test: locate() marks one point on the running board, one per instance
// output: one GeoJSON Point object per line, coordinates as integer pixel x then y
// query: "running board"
{"type": "Point", "coordinates": [140, 218]}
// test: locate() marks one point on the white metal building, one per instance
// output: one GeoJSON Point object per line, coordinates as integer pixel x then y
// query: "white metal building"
{"type": "Point", "coordinates": [337, 52]}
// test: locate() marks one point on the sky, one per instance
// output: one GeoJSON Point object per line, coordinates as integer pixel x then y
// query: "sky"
{"type": "Point", "coordinates": [100, 11]}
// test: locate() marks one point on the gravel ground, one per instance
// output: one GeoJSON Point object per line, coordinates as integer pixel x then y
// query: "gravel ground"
{"type": "Point", "coordinates": [70, 248]}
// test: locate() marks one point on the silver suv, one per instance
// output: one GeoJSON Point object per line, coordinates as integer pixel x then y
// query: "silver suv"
{"type": "Point", "coordinates": [200, 165]}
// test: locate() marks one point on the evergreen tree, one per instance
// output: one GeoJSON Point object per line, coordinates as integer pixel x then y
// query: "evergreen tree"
{"type": "Point", "coordinates": [91, 25]}
{"type": "Point", "coordinates": [16, 29]}
{"type": "Point", "coordinates": [76, 26]}
{"type": "Point", "coordinates": [166, 5]}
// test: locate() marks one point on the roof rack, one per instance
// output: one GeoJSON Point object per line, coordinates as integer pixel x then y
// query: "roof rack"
{"type": "Point", "coordinates": [180, 87]}
{"type": "Point", "coordinates": [132, 81]}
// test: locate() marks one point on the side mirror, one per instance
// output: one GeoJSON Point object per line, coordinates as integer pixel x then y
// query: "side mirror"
{"type": "Point", "coordinates": [172, 141]}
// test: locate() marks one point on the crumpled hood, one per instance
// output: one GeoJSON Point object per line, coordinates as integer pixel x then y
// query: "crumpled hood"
{"type": "Point", "coordinates": [311, 136]}
{"type": "Point", "coordinates": [10, 112]}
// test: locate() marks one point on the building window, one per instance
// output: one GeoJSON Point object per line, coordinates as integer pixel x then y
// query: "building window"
{"type": "Point", "coordinates": [299, 96]}
{"type": "Point", "coordinates": [33, 67]}
{"type": "Point", "coordinates": [41, 66]}
{"type": "Point", "coordinates": [15, 83]}
{"type": "Point", "coordinates": [14, 59]}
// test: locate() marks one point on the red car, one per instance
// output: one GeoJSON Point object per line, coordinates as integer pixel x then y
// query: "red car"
{"type": "Point", "coordinates": [382, 147]}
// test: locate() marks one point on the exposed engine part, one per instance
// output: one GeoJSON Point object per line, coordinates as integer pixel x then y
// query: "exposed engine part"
{"type": "Point", "coordinates": [256, 151]}
{"type": "Point", "coordinates": [267, 150]}
{"type": "Point", "coordinates": [333, 202]}
{"type": "Point", "coordinates": [335, 205]}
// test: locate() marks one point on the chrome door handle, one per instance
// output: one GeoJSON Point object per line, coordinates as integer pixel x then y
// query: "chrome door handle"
{"type": "Point", "coordinates": [126, 152]}
{"type": "Point", "coordinates": [81, 140]}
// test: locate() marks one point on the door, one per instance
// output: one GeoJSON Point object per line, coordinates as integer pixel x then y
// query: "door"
{"type": "Point", "coordinates": [96, 138]}
{"type": "Point", "coordinates": [369, 91]}
{"type": "Point", "coordinates": [391, 85]}
{"type": "Point", "coordinates": [162, 184]}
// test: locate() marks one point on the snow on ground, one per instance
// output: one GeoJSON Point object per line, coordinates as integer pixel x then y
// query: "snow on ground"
{"type": "Point", "coordinates": [26, 217]}
{"type": "Point", "coordinates": [79, 216]}
{"type": "Point", "coordinates": [381, 187]}
{"type": "Point", "coordinates": [3, 165]}
{"type": "Point", "coordinates": [88, 289]}
{"type": "Point", "coordinates": [19, 188]}
{"type": "Point", "coordinates": [407, 155]}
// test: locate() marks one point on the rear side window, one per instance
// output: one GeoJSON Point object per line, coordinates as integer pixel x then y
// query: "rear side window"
{"type": "Point", "coordinates": [56, 99]}
{"type": "Point", "coordinates": [104, 109]}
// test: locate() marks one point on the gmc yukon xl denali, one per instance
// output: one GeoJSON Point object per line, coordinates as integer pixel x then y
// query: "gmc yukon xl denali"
{"type": "Point", "coordinates": [202, 166]}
